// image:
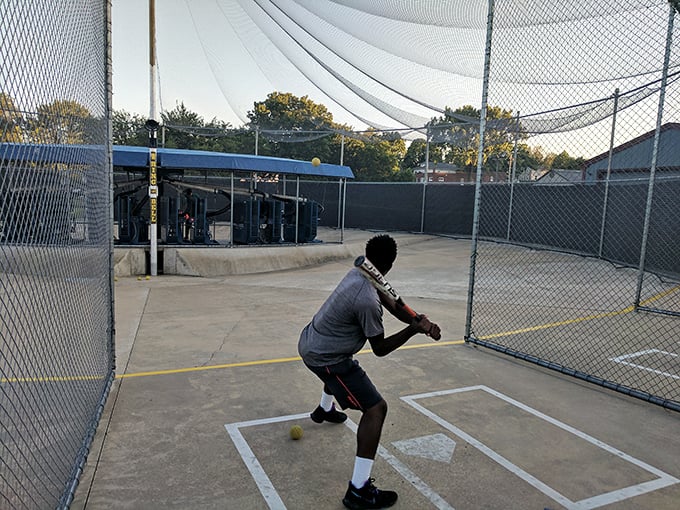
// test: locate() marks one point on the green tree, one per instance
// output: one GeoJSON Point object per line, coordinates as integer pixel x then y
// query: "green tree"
{"type": "Point", "coordinates": [63, 121]}
{"type": "Point", "coordinates": [456, 135]}
{"type": "Point", "coordinates": [128, 129]}
{"type": "Point", "coordinates": [11, 121]}
{"type": "Point", "coordinates": [566, 162]}
{"type": "Point", "coordinates": [415, 154]}
{"type": "Point", "coordinates": [529, 157]}
{"type": "Point", "coordinates": [182, 128]}
{"type": "Point", "coordinates": [218, 136]}
{"type": "Point", "coordinates": [185, 129]}
{"type": "Point", "coordinates": [281, 115]}
{"type": "Point", "coordinates": [377, 157]}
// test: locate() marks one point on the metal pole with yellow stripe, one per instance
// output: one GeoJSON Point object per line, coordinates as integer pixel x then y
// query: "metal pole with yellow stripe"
{"type": "Point", "coordinates": [152, 126]}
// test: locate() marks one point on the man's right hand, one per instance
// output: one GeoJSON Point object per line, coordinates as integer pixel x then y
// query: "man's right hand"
{"type": "Point", "coordinates": [424, 325]}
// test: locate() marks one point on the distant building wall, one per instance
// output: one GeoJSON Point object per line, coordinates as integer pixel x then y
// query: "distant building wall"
{"type": "Point", "coordinates": [633, 159]}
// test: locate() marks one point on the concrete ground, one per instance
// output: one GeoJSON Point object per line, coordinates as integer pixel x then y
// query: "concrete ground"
{"type": "Point", "coordinates": [209, 384]}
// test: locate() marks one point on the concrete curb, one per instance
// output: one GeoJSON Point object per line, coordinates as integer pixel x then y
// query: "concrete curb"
{"type": "Point", "coordinates": [223, 261]}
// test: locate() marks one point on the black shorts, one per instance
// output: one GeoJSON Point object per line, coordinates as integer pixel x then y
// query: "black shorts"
{"type": "Point", "coordinates": [349, 384]}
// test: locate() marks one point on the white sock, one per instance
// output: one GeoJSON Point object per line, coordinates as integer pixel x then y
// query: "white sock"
{"type": "Point", "coordinates": [326, 401]}
{"type": "Point", "coordinates": [362, 471]}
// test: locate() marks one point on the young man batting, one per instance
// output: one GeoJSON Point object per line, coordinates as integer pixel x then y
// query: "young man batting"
{"type": "Point", "coordinates": [352, 315]}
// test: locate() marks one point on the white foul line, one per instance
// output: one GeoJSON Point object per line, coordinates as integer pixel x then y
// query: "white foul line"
{"type": "Point", "coordinates": [664, 479]}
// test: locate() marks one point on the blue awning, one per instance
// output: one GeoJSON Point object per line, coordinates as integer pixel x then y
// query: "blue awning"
{"type": "Point", "coordinates": [205, 160]}
{"type": "Point", "coordinates": [138, 157]}
{"type": "Point", "coordinates": [53, 153]}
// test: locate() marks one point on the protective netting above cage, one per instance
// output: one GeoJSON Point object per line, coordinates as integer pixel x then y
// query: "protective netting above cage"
{"type": "Point", "coordinates": [387, 63]}
{"type": "Point", "coordinates": [593, 50]}
{"type": "Point", "coordinates": [393, 64]}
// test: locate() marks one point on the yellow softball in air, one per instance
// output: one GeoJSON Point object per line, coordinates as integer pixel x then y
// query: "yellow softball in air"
{"type": "Point", "coordinates": [316, 161]}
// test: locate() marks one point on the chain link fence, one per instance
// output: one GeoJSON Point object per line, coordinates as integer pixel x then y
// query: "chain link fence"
{"type": "Point", "coordinates": [56, 297]}
{"type": "Point", "coordinates": [577, 269]}
{"type": "Point", "coordinates": [573, 267]}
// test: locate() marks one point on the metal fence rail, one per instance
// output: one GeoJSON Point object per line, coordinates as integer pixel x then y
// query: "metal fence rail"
{"type": "Point", "coordinates": [56, 298]}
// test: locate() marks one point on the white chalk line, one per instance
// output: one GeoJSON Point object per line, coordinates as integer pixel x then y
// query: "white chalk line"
{"type": "Point", "coordinates": [269, 492]}
{"type": "Point", "coordinates": [663, 480]}
{"type": "Point", "coordinates": [620, 360]}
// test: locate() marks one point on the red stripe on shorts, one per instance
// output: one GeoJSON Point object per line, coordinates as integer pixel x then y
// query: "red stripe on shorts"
{"type": "Point", "coordinates": [351, 398]}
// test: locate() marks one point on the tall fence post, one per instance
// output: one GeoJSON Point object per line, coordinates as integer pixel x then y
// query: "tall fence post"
{"type": "Point", "coordinates": [340, 188]}
{"type": "Point", "coordinates": [427, 171]}
{"type": "Point", "coordinates": [478, 178]}
{"type": "Point", "coordinates": [512, 178]}
{"type": "Point", "coordinates": [609, 172]}
{"type": "Point", "coordinates": [655, 151]}
{"type": "Point", "coordinates": [344, 205]}
{"type": "Point", "coordinates": [231, 211]}
{"type": "Point", "coordinates": [339, 203]}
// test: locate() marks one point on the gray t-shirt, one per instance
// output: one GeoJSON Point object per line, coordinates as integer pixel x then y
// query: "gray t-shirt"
{"type": "Point", "coordinates": [350, 315]}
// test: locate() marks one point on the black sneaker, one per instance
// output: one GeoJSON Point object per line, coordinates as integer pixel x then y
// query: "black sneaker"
{"type": "Point", "coordinates": [333, 416]}
{"type": "Point", "coordinates": [368, 497]}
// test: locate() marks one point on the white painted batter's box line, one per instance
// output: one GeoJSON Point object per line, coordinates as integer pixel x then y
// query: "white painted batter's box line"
{"type": "Point", "coordinates": [269, 492]}
{"type": "Point", "coordinates": [663, 480]}
{"type": "Point", "coordinates": [622, 360]}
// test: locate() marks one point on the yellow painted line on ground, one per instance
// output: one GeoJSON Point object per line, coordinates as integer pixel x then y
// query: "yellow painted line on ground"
{"type": "Point", "coordinates": [626, 310]}
{"type": "Point", "coordinates": [200, 369]}
{"type": "Point", "coordinates": [557, 324]}
{"type": "Point", "coordinates": [660, 295]}
{"type": "Point", "coordinates": [209, 367]}
{"type": "Point", "coordinates": [365, 351]}
{"type": "Point", "coordinates": [263, 362]}
{"type": "Point", "coordinates": [429, 344]}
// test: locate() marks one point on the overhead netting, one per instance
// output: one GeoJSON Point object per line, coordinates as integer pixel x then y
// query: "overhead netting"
{"type": "Point", "coordinates": [389, 64]}
{"type": "Point", "coordinates": [393, 65]}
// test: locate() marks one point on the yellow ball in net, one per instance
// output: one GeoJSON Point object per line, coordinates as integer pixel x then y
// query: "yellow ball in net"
{"type": "Point", "coordinates": [295, 432]}
{"type": "Point", "coordinates": [316, 161]}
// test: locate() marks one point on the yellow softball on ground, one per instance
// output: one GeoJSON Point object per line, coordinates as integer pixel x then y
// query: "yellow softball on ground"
{"type": "Point", "coordinates": [139, 278]}
{"type": "Point", "coordinates": [316, 161]}
{"type": "Point", "coordinates": [295, 432]}
{"type": "Point", "coordinates": [148, 277]}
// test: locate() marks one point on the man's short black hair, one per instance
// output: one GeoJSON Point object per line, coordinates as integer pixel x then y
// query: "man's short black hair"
{"type": "Point", "coordinates": [382, 251]}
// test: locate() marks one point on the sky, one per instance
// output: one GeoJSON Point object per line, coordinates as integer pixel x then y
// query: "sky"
{"type": "Point", "coordinates": [183, 68]}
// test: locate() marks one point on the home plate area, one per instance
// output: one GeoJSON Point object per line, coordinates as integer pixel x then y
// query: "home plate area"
{"type": "Point", "coordinates": [478, 448]}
